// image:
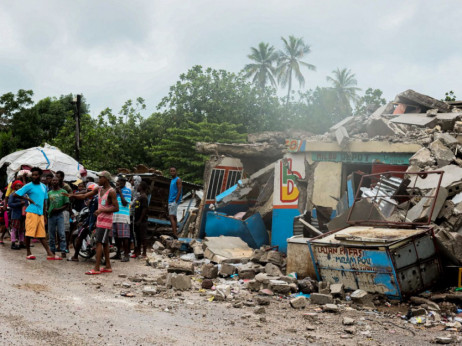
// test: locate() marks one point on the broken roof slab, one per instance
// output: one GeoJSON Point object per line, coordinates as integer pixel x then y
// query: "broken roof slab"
{"type": "Point", "coordinates": [417, 119]}
{"type": "Point", "coordinates": [359, 146]}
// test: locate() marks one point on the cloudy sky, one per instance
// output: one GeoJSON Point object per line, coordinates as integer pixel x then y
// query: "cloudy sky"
{"type": "Point", "coordinates": [112, 51]}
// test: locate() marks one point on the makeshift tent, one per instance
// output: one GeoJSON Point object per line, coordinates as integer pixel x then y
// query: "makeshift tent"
{"type": "Point", "coordinates": [47, 158]}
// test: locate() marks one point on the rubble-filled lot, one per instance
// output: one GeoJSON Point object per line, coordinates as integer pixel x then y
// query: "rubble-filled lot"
{"type": "Point", "coordinates": [45, 303]}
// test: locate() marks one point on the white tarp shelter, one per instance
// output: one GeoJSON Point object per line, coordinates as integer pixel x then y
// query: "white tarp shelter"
{"type": "Point", "coordinates": [46, 158]}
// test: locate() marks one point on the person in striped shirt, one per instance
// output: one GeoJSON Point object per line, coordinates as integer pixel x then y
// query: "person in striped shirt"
{"type": "Point", "coordinates": [107, 206]}
{"type": "Point", "coordinates": [121, 219]}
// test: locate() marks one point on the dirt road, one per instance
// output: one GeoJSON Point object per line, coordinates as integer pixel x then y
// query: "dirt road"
{"type": "Point", "coordinates": [53, 302]}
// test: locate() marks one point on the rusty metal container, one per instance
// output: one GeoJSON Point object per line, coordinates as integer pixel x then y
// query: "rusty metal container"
{"type": "Point", "coordinates": [395, 262]}
{"type": "Point", "coordinates": [297, 254]}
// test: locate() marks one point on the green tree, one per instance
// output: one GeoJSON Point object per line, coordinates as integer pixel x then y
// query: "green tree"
{"type": "Point", "coordinates": [290, 60]}
{"type": "Point", "coordinates": [369, 102]}
{"type": "Point", "coordinates": [218, 96]}
{"type": "Point", "coordinates": [10, 103]}
{"type": "Point", "coordinates": [344, 83]}
{"type": "Point", "coordinates": [450, 96]}
{"type": "Point", "coordinates": [178, 147]}
{"type": "Point", "coordinates": [262, 69]}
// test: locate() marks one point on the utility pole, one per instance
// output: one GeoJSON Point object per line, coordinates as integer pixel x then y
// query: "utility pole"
{"type": "Point", "coordinates": [78, 143]}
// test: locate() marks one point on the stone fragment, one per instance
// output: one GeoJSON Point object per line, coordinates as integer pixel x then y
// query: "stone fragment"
{"type": "Point", "coordinates": [422, 158]}
{"type": "Point", "coordinates": [307, 286]}
{"type": "Point", "coordinates": [274, 257]}
{"type": "Point", "coordinates": [260, 300]}
{"type": "Point", "coordinates": [321, 299]}
{"type": "Point", "coordinates": [126, 284]}
{"type": "Point", "coordinates": [272, 270]}
{"type": "Point", "coordinates": [246, 273]}
{"type": "Point", "coordinates": [198, 250]}
{"type": "Point", "coordinates": [256, 256]}
{"type": "Point", "coordinates": [341, 134]}
{"type": "Point", "coordinates": [323, 287]}
{"type": "Point", "coordinates": [420, 301]}
{"type": "Point", "coordinates": [158, 246]}
{"type": "Point", "coordinates": [279, 286]}
{"type": "Point", "coordinates": [379, 127]}
{"type": "Point", "coordinates": [207, 284]}
{"type": "Point", "coordinates": [418, 312]}
{"type": "Point", "coordinates": [264, 278]}
{"type": "Point", "coordinates": [444, 340]}
{"type": "Point", "coordinates": [253, 285]}
{"type": "Point", "coordinates": [337, 290]}
{"type": "Point", "coordinates": [298, 302]}
{"type": "Point", "coordinates": [361, 297]}
{"type": "Point", "coordinates": [443, 155]}
{"type": "Point", "coordinates": [149, 290]}
{"type": "Point", "coordinates": [260, 310]}
{"type": "Point", "coordinates": [446, 139]}
{"type": "Point", "coordinates": [330, 308]}
{"type": "Point", "coordinates": [181, 267]}
{"type": "Point", "coordinates": [238, 305]}
{"type": "Point", "coordinates": [288, 279]}
{"type": "Point", "coordinates": [347, 321]}
{"type": "Point", "coordinates": [180, 282]}
{"type": "Point", "coordinates": [350, 330]}
{"type": "Point", "coordinates": [224, 291]}
{"type": "Point", "coordinates": [421, 211]}
{"type": "Point", "coordinates": [209, 271]}
{"type": "Point", "coordinates": [227, 269]}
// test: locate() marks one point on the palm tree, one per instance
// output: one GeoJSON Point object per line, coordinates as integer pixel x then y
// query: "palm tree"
{"type": "Point", "coordinates": [289, 62]}
{"type": "Point", "coordinates": [344, 83]}
{"type": "Point", "coordinates": [262, 69]}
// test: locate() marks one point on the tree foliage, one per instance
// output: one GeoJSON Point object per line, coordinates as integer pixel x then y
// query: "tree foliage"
{"type": "Point", "coordinates": [178, 146]}
{"type": "Point", "coordinates": [262, 69]}
{"type": "Point", "coordinates": [369, 102]}
{"type": "Point", "coordinates": [344, 84]}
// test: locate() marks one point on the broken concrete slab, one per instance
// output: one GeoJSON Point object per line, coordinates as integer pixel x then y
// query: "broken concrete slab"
{"type": "Point", "coordinates": [447, 120]}
{"type": "Point", "coordinates": [180, 282]}
{"type": "Point", "coordinates": [379, 127]}
{"type": "Point", "coordinates": [181, 267]}
{"type": "Point", "coordinates": [412, 97]}
{"type": "Point", "coordinates": [342, 123]}
{"type": "Point", "coordinates": [421, 211]}
{"type": "Point", "coordinates": [422, 158]}
{"type": "Point", "coordinates": [321, 299]}
{"type": "Point", "coordinates": [227, 269]}
{"type": "Point", "coordinates": [416, 119]}
{"type": "Point", "coordinates": [446, 138]}
{"type": "Point", "coordinates": [279, 286]}
{"type": "Point", "coordinates": [341, 134]}
{"type": "Point", "coordinates": [452, 174]}
{"type": "Point", "coordinates": [337, 290]}
{"type": "Point", "coordinates": [443, 155]}
{"type": "Point", "coordinates": [450, 246]}
{"type": "Point", "coordinates": [226, 249]}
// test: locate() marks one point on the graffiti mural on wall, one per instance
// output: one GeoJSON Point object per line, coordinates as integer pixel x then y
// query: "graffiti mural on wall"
{"type": "Point", "coordinates": [288, 190]}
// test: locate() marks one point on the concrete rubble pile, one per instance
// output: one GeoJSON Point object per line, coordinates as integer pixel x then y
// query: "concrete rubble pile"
{"type": "Point", "coordinates": [259, 280]}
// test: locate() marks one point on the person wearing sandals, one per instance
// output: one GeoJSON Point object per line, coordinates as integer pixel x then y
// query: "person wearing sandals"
{"type": "Point", "coordinates": [57, 204]}
{"type": "Point", "coordinates": [17, 225]}
{"type": "Point", "coordinates": [35, 220]}
{"type": "Point", "coordinates": [107, 205]}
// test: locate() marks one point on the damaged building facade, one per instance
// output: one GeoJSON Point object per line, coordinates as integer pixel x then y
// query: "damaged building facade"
{"type": "Point", "coordinates": [304, 186]}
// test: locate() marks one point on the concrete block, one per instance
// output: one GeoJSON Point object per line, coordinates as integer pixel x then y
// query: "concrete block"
{"type": "Point", "coordinates": [412, 97]}
{"type": "Point", "coordinates": [443, 155]}
{"type": "Point", "coordinates": [253, 285]}
{"type": "Point", "coordinates": [207, 284]}
{"type": "Point", "coordinates": [209, 271]}
{"type": "Point", "coordinates": [422, 158]}
{"type": "Point", "coordinates": [275, 257]}
{"type": "Point", "coordinates": [149, 291]}
{"type": "Point", "coordinates": [246, 273]}
{"type": "Point", "coordinates": [278, 286]}
{"type": "Point", "coordinates": [337, 290]}
{"type": "Point", "coordinates": [361, 297]}
{"type": "Point", "coordinates": [330, 308]}
{"type": "Point", "coordinates": [227, 270]}
{"type": "Point", "coordinates": [298, 302]}
{"type": "Point", "coordinates": [265, 278]}
{"type": "Point", "coordinates": [379, 127]}
{"type": "Point", "coordinates": [181, 267]}
{"type": "Point", "coordinates": [347, 321]}
{"type": "Point", "coordinates": [262, 300]}
{"type": "Point", "coordinates": [272, 270]}
{"type": "Point", "coordinates": [180, 282]}
{"type": "Point", "coordinates": [321, 299]}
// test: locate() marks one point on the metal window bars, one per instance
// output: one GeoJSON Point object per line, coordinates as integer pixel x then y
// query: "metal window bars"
{"type": "Point", "coordinates": [396, 199]}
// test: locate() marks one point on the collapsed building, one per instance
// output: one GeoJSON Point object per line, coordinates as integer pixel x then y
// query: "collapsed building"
{"type": "Point", "coordinates": [295, 190]}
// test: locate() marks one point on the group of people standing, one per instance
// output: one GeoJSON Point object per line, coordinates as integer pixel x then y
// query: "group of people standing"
{"type": "Point", "coordinates": [44, 204]}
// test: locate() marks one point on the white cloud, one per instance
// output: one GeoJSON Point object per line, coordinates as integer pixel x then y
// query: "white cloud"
{"type": "Point", "coordinates": [113, 51]}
